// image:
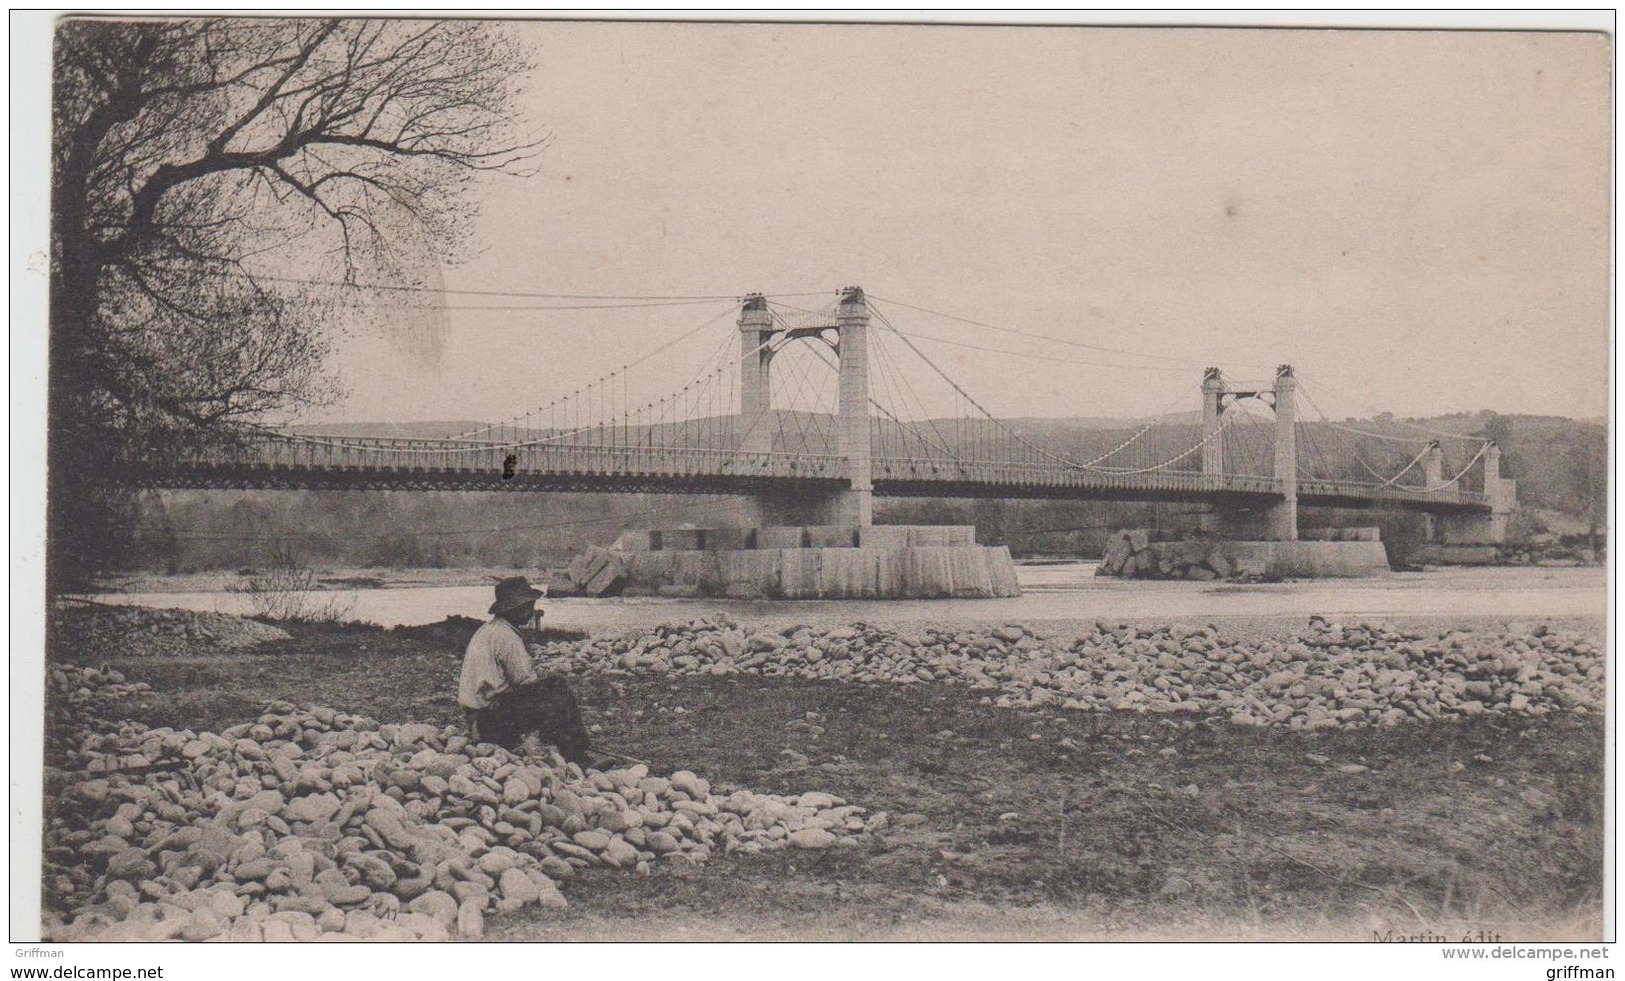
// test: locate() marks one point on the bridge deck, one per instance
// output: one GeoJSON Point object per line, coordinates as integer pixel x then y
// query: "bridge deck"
{"type": "Point", "coordinates": [426, 464]}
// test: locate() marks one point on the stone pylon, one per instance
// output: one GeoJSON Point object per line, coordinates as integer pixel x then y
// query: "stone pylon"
{"type": "Point", "coordinates": [854, 505]}
{"type": "Point", "coordinates": [1212, 419]}
{"type": "Point", "coordinates": [756, 426]}
{"type": "Point", "coordinates": [1283, 517]}
{"type": "Point", "coordinates": [1279, 521]}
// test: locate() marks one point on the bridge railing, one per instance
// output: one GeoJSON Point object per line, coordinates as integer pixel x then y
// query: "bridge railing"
{"type": "Point", "coordinates": [1031, 474]}
{"type": "Point", "coordinates": [996, 472]}
{"type": "Point", "coordinates": [376, 454]}
{"type": "Point", "coordinates": [462, 456]}
{"type": "Point", "coordinates": [1389, 492]}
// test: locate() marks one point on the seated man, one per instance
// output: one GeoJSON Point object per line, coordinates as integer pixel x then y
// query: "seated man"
{"type": "Point", "coordinates": [500, 689]}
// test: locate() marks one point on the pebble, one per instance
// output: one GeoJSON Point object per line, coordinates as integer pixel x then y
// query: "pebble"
{"type": "Point", "coordinates": [437, 904]}
{"type": "Point", "coordinates": [471, 921]}
{"type": "Point", "coordinates": [663, 843]}
{"type": "Point", "coordinates": [592, 840]}
{"type": "Point", "coordinates": [690, 784]}
{"type": "Point", "coordinates": [518, 886]}
{"type": "Point", "coordinates": [812, 838]}
{"type": "Point", "coordinates": [620, 853]}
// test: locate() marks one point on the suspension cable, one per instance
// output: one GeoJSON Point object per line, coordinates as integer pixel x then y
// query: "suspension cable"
{"type": "Point", "coordinates": [617, 372]}
{"type": "Point", "coordinates": [1402, 422]}
{"type": "Point", "coordinates": [889, 414]}
{"type": "Point", "coordinates": [1392, 481]}
{"type": "Point", "coordinates": [464, 447]}
{"type": "Point", "coordinates": [1023, 440]}
{"type": "Point", "coordinates": [1059, 340]}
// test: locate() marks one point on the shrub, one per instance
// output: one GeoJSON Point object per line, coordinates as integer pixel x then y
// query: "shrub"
{"type": "Point", "coordinates": [288, 590]}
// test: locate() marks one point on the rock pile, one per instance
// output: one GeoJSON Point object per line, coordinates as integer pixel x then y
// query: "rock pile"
{"type": "Point", "coordinates": [1133, 555]}
{"type": "Point", "coordinates": [312, 824]}
{"type": "Point", "coordinates": [96, 630]}
{"type": "Point", "coordinates": [81, 700]}
{"type": "Point", "coordinates": [1328, 675]}
{"type": "Point", "coordinates": [1546, 550]}
{"type": "Point", "coordinates": [1540, 550]}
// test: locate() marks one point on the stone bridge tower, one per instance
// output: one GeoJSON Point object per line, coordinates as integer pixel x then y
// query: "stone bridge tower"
{"type": "Point", "coordinates": [1279, 521]}
{"type": "Point", "coordinates": [759, 339]}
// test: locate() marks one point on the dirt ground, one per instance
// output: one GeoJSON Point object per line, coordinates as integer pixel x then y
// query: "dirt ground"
{"type": "Point", "coordinates": [1011, 824]}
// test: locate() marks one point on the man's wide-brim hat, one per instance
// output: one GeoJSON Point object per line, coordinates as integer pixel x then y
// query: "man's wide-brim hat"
{"type": "Point", "coordinates": [515, 591]}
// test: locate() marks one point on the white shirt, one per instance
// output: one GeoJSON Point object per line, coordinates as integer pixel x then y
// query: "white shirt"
{"type": "Point", "coordinates": [496, 660]}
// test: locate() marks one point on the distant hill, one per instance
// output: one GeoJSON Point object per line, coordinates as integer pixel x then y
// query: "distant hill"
{"type": "Point", "coordinates": [432, 430]}
{"type": "Point", "coordinates": [1462, 423]}
{"type": "Point", "coordinates": [1046, 424]}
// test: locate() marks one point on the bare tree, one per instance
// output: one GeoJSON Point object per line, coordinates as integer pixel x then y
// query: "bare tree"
{"type": "Point", "coordinates": [187, 151]}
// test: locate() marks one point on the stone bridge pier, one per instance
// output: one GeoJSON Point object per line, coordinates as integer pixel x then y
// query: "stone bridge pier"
{"type": "Point", "coordinates": [807, 539]}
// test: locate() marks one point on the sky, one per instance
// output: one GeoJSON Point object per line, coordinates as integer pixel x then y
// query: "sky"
{"type": "Point", "coordinates": [1417, 221]}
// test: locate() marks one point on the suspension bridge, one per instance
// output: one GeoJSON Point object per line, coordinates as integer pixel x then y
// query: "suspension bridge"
{"type": "Point", "coordinates": [812, 411]}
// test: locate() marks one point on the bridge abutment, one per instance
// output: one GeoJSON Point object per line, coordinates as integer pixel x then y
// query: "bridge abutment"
{"type": "Point", "coordinates": [1241, 523]}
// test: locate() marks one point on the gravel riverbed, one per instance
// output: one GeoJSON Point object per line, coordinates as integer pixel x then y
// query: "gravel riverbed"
{"type": "Point", "coordinates": [1329, 674]}
{"type": "Point", "coordinates": [242, 809]}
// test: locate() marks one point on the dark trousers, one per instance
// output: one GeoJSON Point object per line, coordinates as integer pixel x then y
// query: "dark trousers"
{"type": "Point", "coordinates": [546, 707]}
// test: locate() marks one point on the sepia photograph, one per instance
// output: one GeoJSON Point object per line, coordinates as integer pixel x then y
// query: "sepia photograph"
{"type": "Point", "coordinates": [561, 480]}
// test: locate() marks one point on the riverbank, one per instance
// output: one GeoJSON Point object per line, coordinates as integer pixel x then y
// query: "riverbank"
{"type": "Point", "coordinates": [1051, 595]}
{"type": "Point", "coordinates": [337, 578]}
{"type": "Point", "coordinates": [1030, 822]}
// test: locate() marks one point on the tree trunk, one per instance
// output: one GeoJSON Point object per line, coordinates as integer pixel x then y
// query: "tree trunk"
{"type": "Point", "coordinates": [82, 528]}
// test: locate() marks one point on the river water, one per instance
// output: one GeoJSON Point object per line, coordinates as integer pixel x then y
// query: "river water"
{"type": "Point", "coordinates": [1049, 593]}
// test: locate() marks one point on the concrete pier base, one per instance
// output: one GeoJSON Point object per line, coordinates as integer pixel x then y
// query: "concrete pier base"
{"type": "Point", "coordinates": [840, 561]}
{"type": "Point", "coordinates": [1323, 560]}
{"type": "Point", "coordinates": [939, 572]}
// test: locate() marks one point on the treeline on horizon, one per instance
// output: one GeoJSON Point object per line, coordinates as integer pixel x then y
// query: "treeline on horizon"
{"type": "Point", "coordinates": [1560, 465]}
